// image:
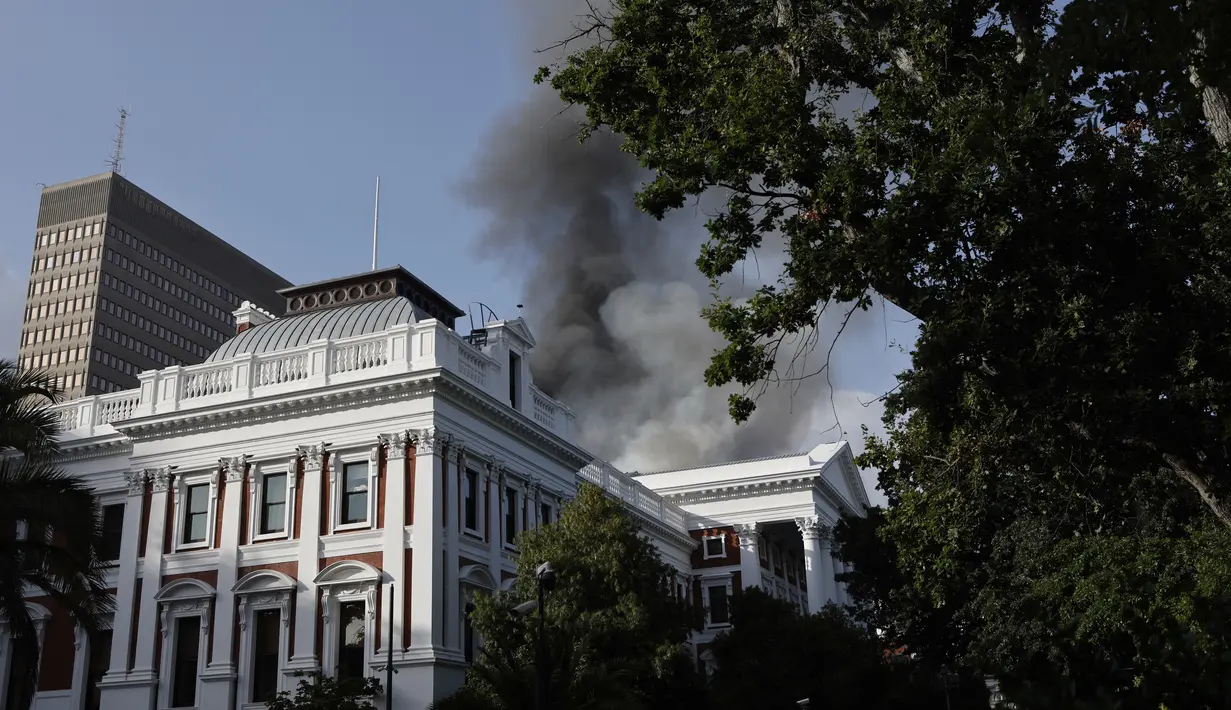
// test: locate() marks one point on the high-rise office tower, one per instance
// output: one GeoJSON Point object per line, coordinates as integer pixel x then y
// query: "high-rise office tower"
{"type": "Point", "coordinates": [121, 283]}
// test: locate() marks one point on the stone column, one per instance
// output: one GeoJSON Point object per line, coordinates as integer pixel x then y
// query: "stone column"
{"type": "Point", "coordinates": [303, 657]}
{"type": "Point", "coordinates": [495, 529]}
{"type": "Point", "coordinates": [839, 568]}
{"type": "Point", "coordinates": [151, 571]}
{"type": "Point", "coordinates": [427, 562]}
{"type": "Point", "coordinates": [818, 567]}
{"type": "Point", "coordinates": [451, 636]}
{"type": "Point", "coordinates": [125, 593]}
{"type": "Point", "coordinates": [393, 546]}
{"type": "Point", "coordinates": [749, 554]}
{"type": "Point", "coordinates": [218, 679]}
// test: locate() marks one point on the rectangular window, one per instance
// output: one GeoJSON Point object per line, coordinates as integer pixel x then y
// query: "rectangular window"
{"type": "Point", "coordinates": [355, 492]}
{"type": "Point", "coordinates": [184, 665]}
{"type": "Point", "coordinates": [100, 660]}
{"type": "Point", "coordinates": [545, 513]}
{"type": "Point", "coordinates": [350, 640]}
{"type": "Point", "coordinates": [273, 508]}
{"type": "Point", "coordinates": [112, 534]}
{"type": "Point", "coordinates": [514, 379]}
{"type": "Point", "coordinates": [718, 612]}
{"type": "Point", "coordinates": [715, 546]}
{"type": "Point", "coordinates": [265, 642]}
{"type": "Point", "coordinates": [510, 515]}
{"type": "Point", "coordinates": [196, 513]}
{"type": "Point", "coordinates": [472, 500]}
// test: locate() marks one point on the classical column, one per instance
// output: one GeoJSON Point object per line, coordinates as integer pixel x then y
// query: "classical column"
{"type": "Point", "coordinates": [749, 554]}
{"type": "Point", "coordinates": [818, 567]}
{"type": "Point", "coordinates": [839, 568]}
{"type": "Point", "coordinates": [151, 570]}
{"type": "Point", "coordinates": [451, 636]}
{"type": "Point", "coordinates": [427, 562]}
{"type": "Point", "coordinates": [393, 541]}
{"type": "Point", "coordinates": [218, 680]}
{"type": "Point", "coordinates": [313, 459]}
{"type": "Point", "coordinates": [126, 585]}
{"type": "Point", "coordinates": [495, 529]}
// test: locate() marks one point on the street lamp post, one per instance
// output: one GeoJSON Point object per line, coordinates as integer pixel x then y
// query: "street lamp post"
{"type": "Point", "coordinates": [545, 577]}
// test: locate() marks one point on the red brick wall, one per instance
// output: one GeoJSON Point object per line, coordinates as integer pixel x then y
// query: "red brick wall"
{"type": "Point", "coordinates": [56, 662]}
{"type": "Point", "coordinates": [406, 592]}
{"type": "Point", "coordinates": [730, 544]}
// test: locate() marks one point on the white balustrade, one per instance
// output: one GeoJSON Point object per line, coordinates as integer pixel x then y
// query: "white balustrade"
{"type": "Point", "coordinates": [416, 347]}
{"type": "Point", "coordinates": [628, 490]}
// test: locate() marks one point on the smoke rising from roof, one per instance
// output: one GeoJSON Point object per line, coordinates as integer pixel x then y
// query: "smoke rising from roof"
{"type": "Point", "coordinates": [614, 297]}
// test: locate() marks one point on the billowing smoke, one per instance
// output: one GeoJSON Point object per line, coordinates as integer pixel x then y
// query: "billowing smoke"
{"type": "Point", "coordinates": [614, 299]}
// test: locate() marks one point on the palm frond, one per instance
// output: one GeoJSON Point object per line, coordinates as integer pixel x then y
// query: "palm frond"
{"type": "Point", "coordinates": [27, 423]}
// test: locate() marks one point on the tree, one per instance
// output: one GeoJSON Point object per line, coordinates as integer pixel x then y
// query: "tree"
{"type": "Point", "coordinates": [58, 518]}
{"type": "Point", "coordinates": [772, 657]}
{"type": "Point", "coordinates": [616, 632]}
{"type": "Point", "coordinates": [318, 692]}
{"type": "Point", "coordinates": [1047, 187]}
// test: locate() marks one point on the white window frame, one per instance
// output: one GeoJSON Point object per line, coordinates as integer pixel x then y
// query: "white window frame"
{"type": "Point", "coordinates": [346, 581]}
{"type": "Point", "coordinates": [337, 470]}
{"type": "Point", "coordinates": [182, 484]}
{"type": "Point", "coordinates": [256, 489]}
{"type": "Point", "coordinates": [81, 661]}
{"type": "Point", "coordinates": [258, 591]}
{"type": "Point", "coordinates": [519, 515]}
{"type": "Point", "coordinates": [473, 581]}
{"type": "Point", "coordinates": [705, 546]}
{"type": "Point", "coordinates": [40, 615]}
{"type": "Point", "coordinates": [724, 581]}
{"type": "Point", "coordinates": [183, 598]}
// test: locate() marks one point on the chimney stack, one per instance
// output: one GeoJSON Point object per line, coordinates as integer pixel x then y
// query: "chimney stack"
{"type": "Point", "coordinates": [249, 315]}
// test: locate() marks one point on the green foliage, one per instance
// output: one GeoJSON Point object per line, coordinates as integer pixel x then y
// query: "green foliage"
{"type": "Point", "coordinates": [616, 634]}
{"type": "Point", "coordinates": [56, 556]}
{"type": "Point", "coordinates": [318, 692]}
{"type": "Point", "coordinates": [772, 658]}
{"type": "Point", "coordinates": [1047, 187]}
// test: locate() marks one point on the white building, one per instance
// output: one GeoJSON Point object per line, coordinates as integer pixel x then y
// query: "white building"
{"type": "Point", "coordinates": [266, 503]}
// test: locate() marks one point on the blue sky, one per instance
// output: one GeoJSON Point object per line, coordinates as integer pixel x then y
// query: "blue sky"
{"type": "Point", "coordinates": [267, 123]}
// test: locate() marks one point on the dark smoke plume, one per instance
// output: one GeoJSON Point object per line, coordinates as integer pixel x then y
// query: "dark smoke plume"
{"type": "Point", "coordinates": [614, 298]}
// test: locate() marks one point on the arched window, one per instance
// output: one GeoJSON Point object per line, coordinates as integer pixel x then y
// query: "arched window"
{"type": "Point", "coordinates": [12, 669]}
{"type": "Point", "coordinates": [264, 634]}
{"type": "Point", "coordinates": [348, 610]}
{"type": "Point", "coordinates": [185, 610]}
{"type": "Point", "coordinates": [473, 581]}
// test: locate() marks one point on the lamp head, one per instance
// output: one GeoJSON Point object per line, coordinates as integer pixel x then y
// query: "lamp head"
{"type": "Point", "coordinates": [546, 576]}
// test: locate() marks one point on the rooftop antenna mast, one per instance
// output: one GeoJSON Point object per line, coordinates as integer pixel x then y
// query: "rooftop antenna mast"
{"type": "Point", "coordinates": [117, 156]}
{"type": "Point", "coordinates": [376, 224]}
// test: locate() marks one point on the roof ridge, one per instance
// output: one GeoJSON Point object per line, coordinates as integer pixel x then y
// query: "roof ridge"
{"type": "Point", "coordinates": [636, 474]}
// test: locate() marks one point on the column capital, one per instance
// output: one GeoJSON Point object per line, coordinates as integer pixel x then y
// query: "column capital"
{"type": "Point", "coordinates": [161, 477]}
{"type": "Point", "coordinates": [395, 442]}
{"type": "Point", "coordinates": [136, 482]}
{"type": "Point", "coordinates": [314, 456]}
{"type": "Point", "coordinates": [427, 441]}
{"type": "Point", "coordinates": [234, 467]}
{"type": "Point", "coordinates": [748, 533]}
{"type": "Point", "coordinates": [813, 528]}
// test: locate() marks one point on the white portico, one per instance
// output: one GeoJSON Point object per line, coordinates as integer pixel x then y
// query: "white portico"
{"type": "Point", "coordinates": [767, 523]}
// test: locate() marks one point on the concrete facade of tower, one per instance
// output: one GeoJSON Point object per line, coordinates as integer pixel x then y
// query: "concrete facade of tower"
{"type": "Point", "coordinates": [121, 283]}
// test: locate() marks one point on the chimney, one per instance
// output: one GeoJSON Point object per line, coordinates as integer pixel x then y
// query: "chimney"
{"type": "Point", "coordinates": [250, 315]}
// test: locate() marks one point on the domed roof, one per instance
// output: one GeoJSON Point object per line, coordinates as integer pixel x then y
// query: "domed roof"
{"type": "Point", "coordinates": [342, 322]}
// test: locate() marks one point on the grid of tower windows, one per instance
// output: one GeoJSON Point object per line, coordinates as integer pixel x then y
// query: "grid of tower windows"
{"type": "Point", "coordinates": [126, 289]}
{"type": "Point", "coordinates": [167, 261]}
